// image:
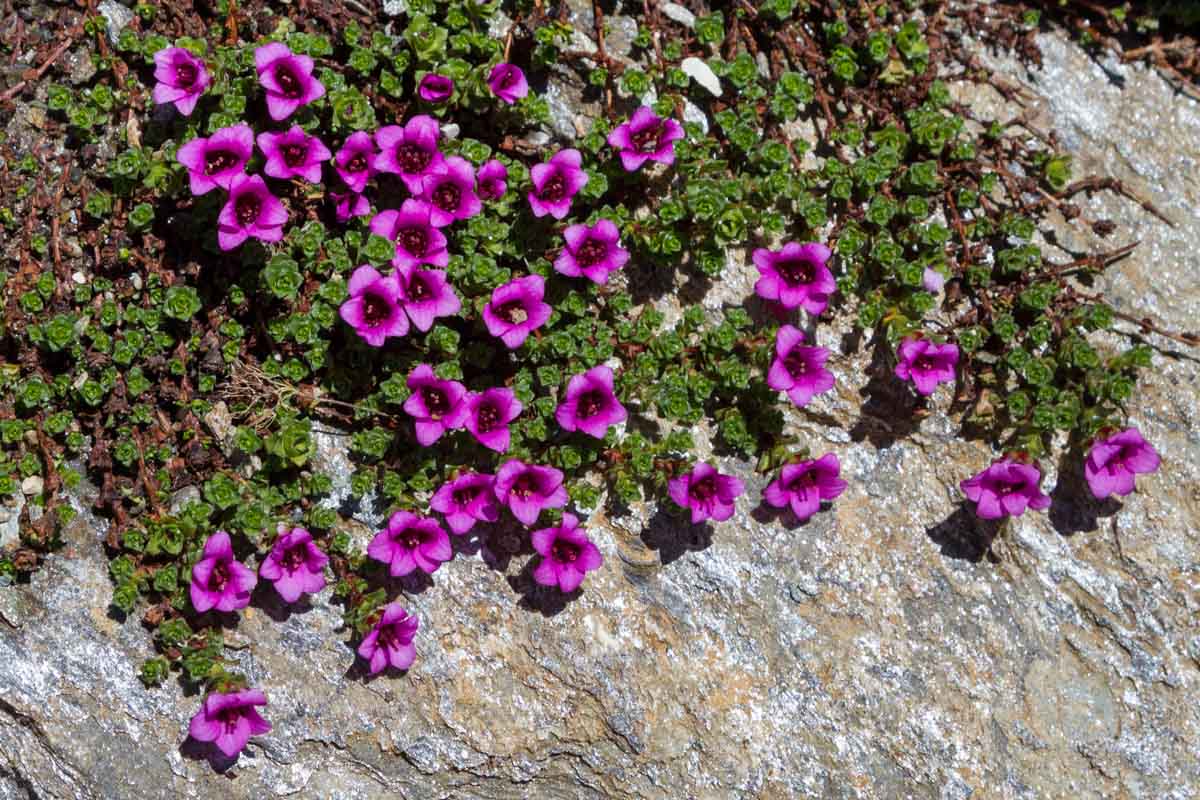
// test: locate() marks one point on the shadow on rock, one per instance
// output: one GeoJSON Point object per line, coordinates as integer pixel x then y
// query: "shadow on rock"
{"type": "Point", "coordinates": [672, 536]}
{"type": "Point", "coordinates": [267, 599]}
{"type": "Point", "coordinates": [1073, 508]}
{"type": "Point", "coordinates": [889, 409]}
{"type": "Point", "coordinates": [964, 536]}
{"type": "Point", "coordinates": [548, 601]}
{"type": "Point", "coordinates": [196, 750]}
{"type": "Point", "coordinates": [784, 517]}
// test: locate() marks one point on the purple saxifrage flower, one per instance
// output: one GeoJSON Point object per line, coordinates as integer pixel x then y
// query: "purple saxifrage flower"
{"type": "Point", "coordinates": [645, 137]}
{"type": "Point", "coordinates": [795, 276]}
{"type": "Point", "coordinates": [410, 151]}
{"type": "Point", "coordinates": [287, 78]}
{"type": "Point", "coordinates": [706, 492]}
{"type": "Point", "coordinates": [508, 83]}
{"type": "Point", "coordinates": [797, 369]}
{"type": "Point", "coordinates": [488, 414]}
{"type": "Point", "coordinates": [293, 154]}
{"type": "Point", "coordinates": [516, 310]}
{"type": "Point", "coordinates": [374, 309]}
{"type": "Point", "coordinates": [437, 405]}
{"type": "Point", "coordinates": [410, 542]}
{"type": "Point", "coordinates": [466, 500]}
{"type": "Point", "coordinates": [555, 183]}
{"type": "Point", "coordinates": [1007, 487]}
{"type": "Point", "coordinates": [250, 211]}
{"type": "Point", "coordinates": [1113, 461]}
{"type": "Point", "coordinates": [215, 161]}
{"type": "Point", "coordinates": [567, 555]}
{"type": "Point", "coordinates": [926, 364]}
{"type": "Point", "coordinates": [295, 564]}
{"type": "Point", "coordinates": [435, 88]}
{"type": "Point", "coordinates": [592, 252]}
{"type": "Point", "coordinates": [805, 484]}
{"type": "Point", "coordinates": [181, 77]}
{"type": "Point", "coordinates": [229, 719]}
{"type": "Point", "coordinates": [355, 159]}
{"type": "Point", "coordinates": [427, 296]}
{"type": "Point", "coordinates": [590, 405]}
{"type": "Point", "coordinates": [450, 190]}
{"type": "Point", "coordinates": [389, 643]}
{"type": "Point", "coordinates": [527, 488]}
{"type": "Point", "coordinates": [349, 204]}
{"type": "Point", "coordinates": [219, 580]}
{"type": "Point", "coordinates": [491, 181]}
{"type": "Point", "coordinates": [417, 240]}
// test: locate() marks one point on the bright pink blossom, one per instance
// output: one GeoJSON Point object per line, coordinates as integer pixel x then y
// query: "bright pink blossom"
{"type": "Point", "coordinates": [215, 161]}
{"type": "Point", "coordinates": [375, 306]}
{"type": "Point", "coordinates": [295, 564]}
{"type": "Point", "coordinates": [567, 555]}
{"type": "Point", "coordinates": [287, 78]}
{"type": "Point", "coordinates": [706, 492]}
{"type": "Point", "coordinates": [410, 151]}
{"type": "Point", "coordinates": [293, 154]}
{"type": "Point", "coordinates": [450, 190]}
{"type": "Point", "coordinates": [427, 296]}
{"type": "Point", "coordinates": [410, 542]}
{"type": "Point", "coordinates": [926, 364]}
{"type": "Point", "coordinates": [435, 88]}
{"type": "Point", "coordinates": [355, 159]}
{"type": "Point", "coordinates": [593, 252]}
{"type": "Point", "coordinates": [488, 414]}
{"type": "Point", "coordinates": [645, 137]}
{"type": "Point", "coordinates": [250, 212]}
{"type": "Point", "coordinates": [797, 369]}
{"type": "Point", "coordinates": [389, 643]}
{"type": "Point", "coordinates": [527, 488]}
{"type": "Point", "coordinates": [508, 83]}
{"type": "Point", "coordinates": [491, 180]}
{"type": "Point", "coordinates": [590, 405]}
{"type": "Point", "coordinates": [181, 79]}
{"type": "Point", "coordinates": [1113, 461]}
{"type": "Point", "coordinates": [796, 276]}
{"type": "Point", "coordinates": [218, 579]}
{"type": "Point", "coordinates": [229, 719]}
{"type": "Point", "coordinates": [555, 183]}
{"type": "Point", "coordinates": [411, 228]}
{"type": "Point", "coordinates": [516, 310]}
{"type": "Point", "coordinates": [437, 405]}
{"type": "Point", "coordinates": [804, 484]}
{"type": "Point", "coordinates": [1007, 487]}
{"type": "Point", "coordinates": [467, 499]}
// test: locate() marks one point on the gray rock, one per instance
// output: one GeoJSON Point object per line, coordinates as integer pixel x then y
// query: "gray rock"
{"type": "Point", "coordinates": [394, 8]}
{"type": "Point", "coordinates": [702, 74]}
{"type": "Point", "coordinates": [679, 14]}
{"type": "Point", "coordinates": [32, 485]}
{"type": "Point", "coordinates": [10, 521]}
{"type": "Point", "coordinates": [116, 16]}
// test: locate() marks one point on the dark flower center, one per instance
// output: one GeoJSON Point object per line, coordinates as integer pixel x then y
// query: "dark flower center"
{"type": "Point", "coordinates": [647, 141]}
{"type": "Point", "coordinates": [414, 240]}
{"type": "Point", "coordinates": [289, 82]}
{"type": "Point", "coordinates": [589, 404]}
{"type": "Point", "coordinates": [924, 363]}
{"type": "Point", "coordinates": [554, 189]}
{"type": "Point", "coordinates": [418, 290]}
{"type": "Point", "coordinates": [805, 480]}
{"type": "Point", "coordinates": [795, 363]}
{"type": "Point", "coordinates": [376, 309]}
{"type": "Point", "coordinates": [436, 401]}
{"type": "Point", "coordinates": [1126, 452]}
{"type": "Point", "coordinates": [525, 485]}
{"type": "Point", "coordinates": [294, 154]}
{"type": "Point", "coordinates": [513, 313]}
{"type": "Point", "coordinates": [489, 418]}
{"type": "Point", "coordinates": [413, 160]}
{"type": "Point", "coordinates": [464, 497]}
{"type": "Point", "coordinates": [564, 551]}
{"type": "Point", "coordinates": [185, 75]}
{"type": "Point", "coordinates": [704, 490]}
{"type": "Point", "coordinates": [796, 271]}
{"type": "Point", "coordinates": [293, 558]}
{"type": "Point", "coordinates": [357, 164]}
{"type": "Point", "coordinates": [592, 252]}
{"type": "Point", "coordinates": [447, 197]}
{"type": "Point", "coordinates": [507, 79]}
{"type": "Point", "coordinates": [412, 538]}
{"type": "Point", "coordinates": [218, 161]}
{"type": "Point", "coordinates": [229, 718]}
{"type": "Point", "coordinates": [247, 208]}
{"type": "Point", "coordinates": [219, 577]}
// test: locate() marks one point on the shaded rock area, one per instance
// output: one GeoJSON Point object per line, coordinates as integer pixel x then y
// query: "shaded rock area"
{"type": "Point", "coordinates": [870, 653]}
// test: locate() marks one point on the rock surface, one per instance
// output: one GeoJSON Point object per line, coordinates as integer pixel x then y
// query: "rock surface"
{"type": "Point", "coordinates": [863, 654]}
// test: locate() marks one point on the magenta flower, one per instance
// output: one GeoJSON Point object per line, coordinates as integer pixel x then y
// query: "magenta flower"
{"type": "Point", "coordinates": [467, 499]}
{"type": "Point", "coordinates": [287, 78]}
{"type": "Point", "coordinates": [1007, 487]}
{"type": "Point", "coordinates": [798, 370]}
{"type": "Point", "coordinates": [355, 159]}
{"type": "Point", "coordinates": [295, 565]}
{"type": "Point", "coordinates": [410, 542]}
{"type": "Point", "coordinates": [427, 296]}
{"type": "Point", "coordinates": [374, 309]}
{"type": "Point", "coordinates": [437, 405]}
{"type": "Point", "coordinates": [218, 580]}
{"type": "Point", "coordinates": [488, 414]}
{"type": "Point", "coordinates": [592, 252]}
{"type": "Point", "coordinates": [516, 310]}
{"type": "Point", "coordinates": [435, 88]}
{"type": "Point", "coordinates": [1112, 463]}
{"type": "Point", "coordinates": [216, 161]}
{"type": "Point", "coordinates": [708, 493]}
{"type": "Point", "coordinates": [492, 180]}
{"type": "Point", "coordinates": [795, 276]}
{"type": "Point", "coordinates": [645, 137]}
{"type": "Point", "coordinates": [250, 211]}
{"type": "Point", "coordinates": [508, 83]}
{"type": "Point", "coordinates": [389, 644]}
{"type": "Point", "coordinates": [555, 183]}
{"type": "Point", "coordinates": [450, 188]}
{"type": "Point", "coordinates": [293, 154]}
{"type": "Point", "coordinates": [805, 484]}
{"type": "Point", "coordinates": [567, 555]}
{"type": "Point", "coordinates": [410, 151]}
{"type": "Point", "coordinates": [590, 406]}
{"type": "Point", "coordinates": [349, 204]}
{"type": "Point", "coordinates": [526, 489]}
{"type": "Point", "coordinates": [926, 364]}
{"type": "Point", "coordinates": [181, 77]}
{"type": "Point", "coordinates": [229, 719]}
{"type": "Point", "coordinates": [411, 228]}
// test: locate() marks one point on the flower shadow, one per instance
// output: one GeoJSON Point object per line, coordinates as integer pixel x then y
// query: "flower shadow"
{"type": "Point", "coordinates": [888, 412]}
{"type": "Point", "coordinates": [1073, 508]}
{"type": "Point", "coordinates": [768, 514]}
{"type": "Point", "coordinates": [266, 599]}
{"type": "Point", "coordinates": [964, 536]}
{"type": "Point", "coordinates": [672, 535]}
{"type": "Point", "coordinates": [195, 750]}
{"type": "Point", "coordinates": [548, 601]}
